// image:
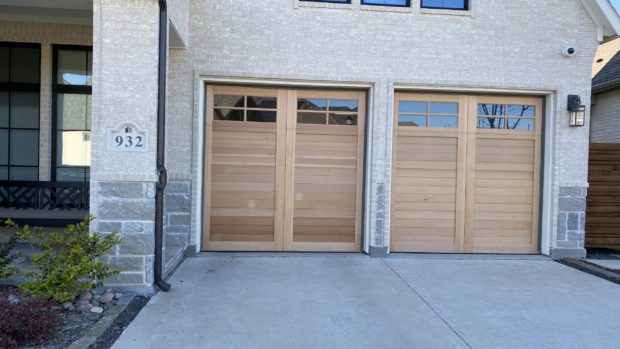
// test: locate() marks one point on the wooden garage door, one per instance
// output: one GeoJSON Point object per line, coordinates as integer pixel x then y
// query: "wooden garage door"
{"type": "Point", "coordinates": [466, 174]}
{"type": "Point", "coordinates": [283, 170]}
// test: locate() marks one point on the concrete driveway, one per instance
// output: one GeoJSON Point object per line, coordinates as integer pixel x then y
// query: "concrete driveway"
{"type": "Point", "coordinates": [353, 301]}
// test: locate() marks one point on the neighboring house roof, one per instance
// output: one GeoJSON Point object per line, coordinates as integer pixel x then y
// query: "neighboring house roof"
{"type": "Point", "coordinates": [605, 17]}
{"type": "Point", "coordinates": [605, 52]}
{"type": "Point", "coordinates": [609, 76]}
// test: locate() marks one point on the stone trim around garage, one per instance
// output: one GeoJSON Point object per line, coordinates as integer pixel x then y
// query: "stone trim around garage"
{"type": "Point", "coordinates": [571, 223]}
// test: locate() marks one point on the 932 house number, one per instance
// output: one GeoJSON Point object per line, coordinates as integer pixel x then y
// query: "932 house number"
{"type": "Point", "coordinates": [127, 137]}
{"type": "Point", "coordinates": [129, 141]}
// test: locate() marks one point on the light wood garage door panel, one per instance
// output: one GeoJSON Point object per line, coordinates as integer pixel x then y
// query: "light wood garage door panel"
{"type": "Point", "coordinates": [427, 162]}
{"type": "Point", "coordinates": [283, 169]}
{"type": "Point", "coordinates": [327, 172]}
{"type": "Point", "coordinates": [487, 157]}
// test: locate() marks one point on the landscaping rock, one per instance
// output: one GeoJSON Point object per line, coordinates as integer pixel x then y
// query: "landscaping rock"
{"type": "Point", "coordinates": [107, 297]}
{"type": "Point", "coordinates": [96, 310]}
{"type": "Point", "coordinates": [68, 306]}
{"type": "Point", "coordinates": [98, 291]}
{"type": "Point", "coordinates": [86, 296]}
{"type": "Point", "coordinates": [83, 306]}
{"type": "Point", "coordinates": [117, 295]}
{"type": "Point", "coordinates": [13, 299]}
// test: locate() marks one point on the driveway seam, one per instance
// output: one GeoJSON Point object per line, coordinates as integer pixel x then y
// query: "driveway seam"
{"type": "Point", "coordinates": [425, 302]}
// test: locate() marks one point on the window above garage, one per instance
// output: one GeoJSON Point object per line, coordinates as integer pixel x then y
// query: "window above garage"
{"type": "Point", "coordinates": [397, 3]}
{"type": "Point", "coordinates": [462, 5]}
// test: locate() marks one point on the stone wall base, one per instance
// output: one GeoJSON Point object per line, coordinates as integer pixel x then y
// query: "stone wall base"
{"type": "Point", "coordinates": [560, 253]}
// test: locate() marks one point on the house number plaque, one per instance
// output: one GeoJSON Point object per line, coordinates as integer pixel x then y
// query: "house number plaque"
{"type": "Point", "coordinates": [127, 137]}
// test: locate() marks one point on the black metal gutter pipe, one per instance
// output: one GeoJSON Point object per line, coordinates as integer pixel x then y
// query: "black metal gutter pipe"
{"type": "Point", "coordinates": [161, 139]}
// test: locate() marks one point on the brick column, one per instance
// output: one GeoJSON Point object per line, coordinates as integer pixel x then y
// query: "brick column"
{"type": "Point", "coordinates": [125, 56]}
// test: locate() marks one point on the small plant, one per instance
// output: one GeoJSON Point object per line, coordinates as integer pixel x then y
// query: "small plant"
{"type": "Point", "coordinates": [69, 262]}
{"type": "Point", "coordinates": [7, 256]}
{"type": "Point", "coordinates": [31, 320]}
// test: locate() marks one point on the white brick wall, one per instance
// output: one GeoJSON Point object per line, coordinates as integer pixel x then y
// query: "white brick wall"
{"type": "Point", "coordinates": [605, 123]}
{"type": "Point", "coordinates": [512, 44]}
{"type": "Point", "coordinates": [47, 35]}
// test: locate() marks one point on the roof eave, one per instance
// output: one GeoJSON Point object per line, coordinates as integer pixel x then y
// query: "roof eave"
{"type": "Point", "coordinates": [605, 17]}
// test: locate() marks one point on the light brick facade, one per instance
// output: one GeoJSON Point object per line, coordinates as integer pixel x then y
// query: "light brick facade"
{"type": "Point", "coordinates": [499, 46]}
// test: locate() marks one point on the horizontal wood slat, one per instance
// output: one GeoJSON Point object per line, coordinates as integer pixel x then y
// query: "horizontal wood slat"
{"type": "Point", "coordinates": [603, 202]}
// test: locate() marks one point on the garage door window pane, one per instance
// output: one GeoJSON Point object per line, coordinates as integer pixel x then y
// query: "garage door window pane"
{"type": "Point", "coordinates": [412, 120]}
{"type": "Point", "coordinates": [491, 122]}
{"type": "Point", "coordinates": [228, 101]}
{"type": "Point", "coordinates": [228, 114]}
{"type": "Point", "coordinates": [4, 109]}
{"type": "Point", "coordinates": [24, 174]}
{"type": "Point", "coordinates": [413, 107]}
{"type": "Point", "coordinates": [24, 147]}
{"type": "Point", "coordinates": [24, 110]}
{"type": "Point", "coordinates": [522, 110]}
{"type": "Point", "coordinates": [4, 173]}
{"type": "Point", "coordinates": [312, 104]}
{"type": "Point", "coordinates": [444, 108]}
{"type": "Point", "coordinates": [311, 118]}
{"type": "Point", "coordinates": [521, 124]}
{"type": "Point", "coordinates": [262, 102]}
{"type": "Point", "coordinates": [491, 109]}
{"type": "Point", "coordinates": [346, 120]}
{"type": "Point", "coordinates": [25, 65]}
{"type": "Point", "coordinates": [343, 105]}
{"type": "Point", "coordinates": [261, 116]}
{"type": "Point", "coordinates": [443, 121]}
{"type": "Point", "coordinates": [4, 64]}
{"type": "Point", "coordinates": [445, 4]}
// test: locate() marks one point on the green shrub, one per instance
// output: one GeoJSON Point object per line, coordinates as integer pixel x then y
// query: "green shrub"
{"type": "Point", "coordinates": [69, 262]}
{"type": "Point", "coordinates": [7, 257]}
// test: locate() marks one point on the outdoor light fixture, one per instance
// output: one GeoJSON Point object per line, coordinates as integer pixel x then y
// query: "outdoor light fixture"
{"type": "Point", "coordinates": [577, 111]}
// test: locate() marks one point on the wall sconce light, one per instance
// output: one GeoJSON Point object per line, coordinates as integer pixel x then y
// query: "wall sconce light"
{"type": "Point", "coordinates": [577, 111]}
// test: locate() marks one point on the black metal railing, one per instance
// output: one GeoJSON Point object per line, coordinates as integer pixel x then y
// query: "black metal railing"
{"type": "Point", "coordinates": [44, 195]}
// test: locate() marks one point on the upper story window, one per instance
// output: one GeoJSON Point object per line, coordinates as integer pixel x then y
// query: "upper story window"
{"type": "Point", "coordinates": [446, 4]}
{"type": "Point", "coordinates": [20, 71]}
{"type": "Point", "coordinates": [399, 3]}
{"type": "Point", "coordinates": [331, 1]}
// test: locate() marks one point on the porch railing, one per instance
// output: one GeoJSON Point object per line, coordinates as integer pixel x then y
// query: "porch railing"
{"type": "Point", "coordinates": [44, 195]}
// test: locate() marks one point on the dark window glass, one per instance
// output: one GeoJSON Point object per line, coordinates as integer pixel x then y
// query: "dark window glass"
{"type": "Point", "coordinates": [262, 102]}
{"type": "Point", "coordinates": [261, 116]}
{"type": "Point", "coordinates": [74, 67]}
{"type": "Point", "coordinates": [311, 118]}
{"type": "Point", "coordinates": [401, 3]}
{"type": "Point", "coordinates": [228, 101]}
{"type": "Point", "coordinates": [25, 64]}
{"type": "Point", "coordinates": [446, 4]}
{"type": "Point", "coordinates": [19, 111]}
{"type": "Point", "coordinates": [228, 114]}
{"type": "Point", "coordinates": [347, 120]}
{"type": "Point", "coordinates": [72, 114]}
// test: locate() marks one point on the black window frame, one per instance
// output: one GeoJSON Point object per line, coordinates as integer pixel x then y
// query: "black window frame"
{"type": "Point", "coordinates": [58, 88]}
{"type": "Point", "coordinates": [22, 87]}
{"type": "Point", "coordinates": [464, 8]}
{"type": "Point", "coordinates": [347, 2]}
{"type": "Point", "coordinates": [407, 4]}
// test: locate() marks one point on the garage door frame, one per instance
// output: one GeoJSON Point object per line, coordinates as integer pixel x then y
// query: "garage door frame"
{"type": "Point", "coordinates": [281, 243]}
{"type": "Point", "coordinates": [468, 101]}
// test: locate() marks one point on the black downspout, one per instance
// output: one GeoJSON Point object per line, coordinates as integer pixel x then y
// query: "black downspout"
{"type": "Point", "coordinates": [161, 139]}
